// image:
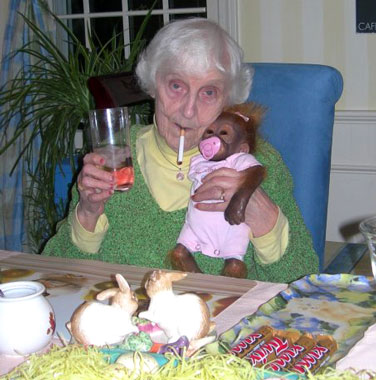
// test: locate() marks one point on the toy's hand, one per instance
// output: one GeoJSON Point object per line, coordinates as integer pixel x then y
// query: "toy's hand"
{"type": "Point", "coordinates": [235, 211]}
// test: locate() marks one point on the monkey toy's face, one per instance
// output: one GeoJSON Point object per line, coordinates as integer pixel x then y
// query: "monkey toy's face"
{"type": "Point", "coordinates": [222, 139]}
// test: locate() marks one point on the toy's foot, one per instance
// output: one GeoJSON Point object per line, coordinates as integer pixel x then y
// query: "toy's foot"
{"type": "Point", "coordinates": [234, 268]}
{"type": "Point", "coordinates": [181, 259]}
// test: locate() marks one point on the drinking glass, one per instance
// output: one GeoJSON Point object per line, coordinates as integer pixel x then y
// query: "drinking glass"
{"type": "Point", "coordinates": [110, 137]}
{"type": "Point", "coordinates": [368, 228]}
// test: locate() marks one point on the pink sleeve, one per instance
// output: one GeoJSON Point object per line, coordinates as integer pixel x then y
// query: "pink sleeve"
{"type": "Point", "coordinates": [243, 161]}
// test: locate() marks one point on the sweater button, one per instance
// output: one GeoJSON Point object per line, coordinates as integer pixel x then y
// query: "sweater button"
{"type": "Point", "coordinates": [217, 252]}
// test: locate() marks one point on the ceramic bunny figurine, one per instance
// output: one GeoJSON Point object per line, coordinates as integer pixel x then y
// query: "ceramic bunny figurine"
{"type": "Point", "coordinates": [177, 315]}
{"type": "Point", "coordinates": [98, 324]}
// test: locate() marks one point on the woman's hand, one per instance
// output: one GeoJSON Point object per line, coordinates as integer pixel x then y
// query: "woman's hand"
{"type": "Point", "coordinates": [95, 186]}
{"type": "Point", "coordinates": [261, 212]}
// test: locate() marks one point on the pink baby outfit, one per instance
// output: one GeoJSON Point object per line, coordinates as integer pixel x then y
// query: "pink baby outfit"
{"type": "Point", "coordinates": [209, 232]}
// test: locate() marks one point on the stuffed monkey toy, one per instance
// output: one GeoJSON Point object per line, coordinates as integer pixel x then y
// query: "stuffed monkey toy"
{"type": "Point", "coordinates": [229, 142]}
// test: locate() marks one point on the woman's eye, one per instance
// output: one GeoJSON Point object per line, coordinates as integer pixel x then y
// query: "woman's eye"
{"type": "Point", "coordinates": [209, 93]}
{"type": "Point", "coordinates": [175, 86]}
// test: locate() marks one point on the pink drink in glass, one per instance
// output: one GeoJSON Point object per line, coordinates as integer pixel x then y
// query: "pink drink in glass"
{"type": "Point", "coordinates": [119, 162]}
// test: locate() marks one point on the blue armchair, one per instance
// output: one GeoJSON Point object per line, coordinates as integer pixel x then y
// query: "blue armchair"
{"type": "Point", "coordinates": [299, 123]}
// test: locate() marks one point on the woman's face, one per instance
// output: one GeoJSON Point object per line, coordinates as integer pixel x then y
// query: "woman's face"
{"type": "Point", "coordinates": [188, 101]}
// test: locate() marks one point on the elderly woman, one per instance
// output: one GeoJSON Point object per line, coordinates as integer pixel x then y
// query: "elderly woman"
{"type": "Point", "coordinates": [192, 68]}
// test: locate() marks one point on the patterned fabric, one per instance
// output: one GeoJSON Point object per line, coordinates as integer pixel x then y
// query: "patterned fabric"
{"type": "Point", "coordinates": [13, 221]}
{"type": "Point", "coordinates": [340, 305]}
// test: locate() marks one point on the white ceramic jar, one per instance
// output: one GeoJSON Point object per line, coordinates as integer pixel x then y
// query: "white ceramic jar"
{"type": "Point", "coordinates": [27, 320]}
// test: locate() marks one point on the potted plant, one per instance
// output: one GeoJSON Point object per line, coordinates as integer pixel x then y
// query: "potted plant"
{"type": "Point", "coordinates": [52, 101]}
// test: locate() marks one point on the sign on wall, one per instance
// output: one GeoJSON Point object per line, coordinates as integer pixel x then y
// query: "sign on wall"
{"type": "Point", "coordinates": [365, 16]}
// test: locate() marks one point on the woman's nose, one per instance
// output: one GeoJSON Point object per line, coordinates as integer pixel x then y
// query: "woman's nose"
{"type": "Point", "coordinates": [189, 107]}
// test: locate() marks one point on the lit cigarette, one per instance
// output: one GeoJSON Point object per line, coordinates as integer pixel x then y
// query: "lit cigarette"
{"type": "Point", "coordinates": [181, 146]}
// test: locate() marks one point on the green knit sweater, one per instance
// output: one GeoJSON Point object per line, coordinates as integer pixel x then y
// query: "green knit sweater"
{"type": "Point", "coordinates": [140, 233]}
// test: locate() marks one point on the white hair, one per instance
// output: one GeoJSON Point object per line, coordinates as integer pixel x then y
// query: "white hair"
{"type": "Point", "coordinates": [195, 46]}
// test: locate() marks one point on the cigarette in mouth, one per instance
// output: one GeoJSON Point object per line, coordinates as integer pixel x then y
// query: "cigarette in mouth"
{"type": "Point", "coordinates": [181, 146]}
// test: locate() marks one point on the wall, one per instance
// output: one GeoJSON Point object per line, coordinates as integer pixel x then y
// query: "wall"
{"type": "Point", "coordinates": [352, 195]}
{"type": "Point", "coordinates": [318, 31]}
{"type": "Point", "coordinates": [323, 32]}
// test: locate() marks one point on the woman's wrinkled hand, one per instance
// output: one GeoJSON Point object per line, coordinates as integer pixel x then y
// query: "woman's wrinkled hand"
{"type": "Point", "coordinates": [261, 212]}
{"type": "Point", "coordinates": [95, 186]}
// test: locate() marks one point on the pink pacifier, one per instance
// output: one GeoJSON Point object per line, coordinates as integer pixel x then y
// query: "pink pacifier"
{"type": "Point", "coordinates": [210, 147]}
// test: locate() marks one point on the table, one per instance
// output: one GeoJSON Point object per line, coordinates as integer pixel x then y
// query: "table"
{"type": "Point", "coordinates": [69, 282]}
{"type": "Point", "coordinates": [245, 295]}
